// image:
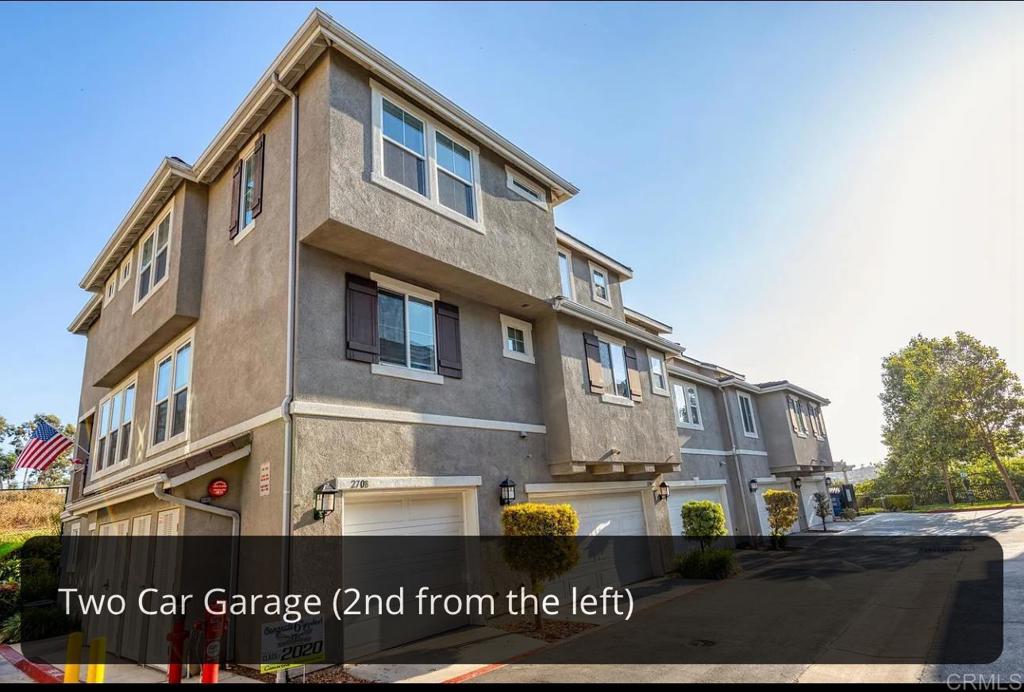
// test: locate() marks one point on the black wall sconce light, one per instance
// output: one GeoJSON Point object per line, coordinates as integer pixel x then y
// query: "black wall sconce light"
{"type": "Point", "coordinates": [507, 490]}
{"type": "Point", "coordinates": [752, 485]}
{"type": "Point", "coordinates": [828, 481]}
{"type": "Point", "coordinates": [662, 492]}
{"type": "Point", "coordinates": [797, 483]}
{"type": "Point", "coordinates": [323, 500]}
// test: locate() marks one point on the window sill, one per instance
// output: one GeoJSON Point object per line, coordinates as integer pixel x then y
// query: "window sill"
{"type": "Point", "coordinates": [616, 400]}
{"type": "Point", "coordinates": [138, 304]}
{"type": "Point", "coordinates": [515, 355]}
{"type": "Point", "coordinates": [167, 444]}
{"type": "Point", "coordinates": [243, 233]}
{"type": "Point", "coordinates": [426, 202]}
{"type": "Point", "coordinates": [660, 392]}
{"type": "Point", "coordinates": [600, 301]}
{"type": "Point", "coordinates": [753, 436]}
{"type": "Point", "coordinates": [803, 435]}
{"type": "Point", "coordinates": [109, 470]}
{"type": "Point", "coordinates": [689, 426]}
{"type": "Point", "coordinates": [406, 373]}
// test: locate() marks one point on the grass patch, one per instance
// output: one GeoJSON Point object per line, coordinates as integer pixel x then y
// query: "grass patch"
{"type": "Point", "coordinates": [965, 506]}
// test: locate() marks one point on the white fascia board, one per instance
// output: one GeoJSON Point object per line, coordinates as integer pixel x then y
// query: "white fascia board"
{"type": "Point", "coordinates": [584, 250]}
{"type": "Point", "coordinates": [564, 305]}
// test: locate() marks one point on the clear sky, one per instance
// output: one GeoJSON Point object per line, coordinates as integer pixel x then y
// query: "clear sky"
{"type": "Point", "coordinates": [799, 188]}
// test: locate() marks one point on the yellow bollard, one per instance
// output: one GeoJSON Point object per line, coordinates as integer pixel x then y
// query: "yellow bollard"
{"type": "Point", "coordinates": [97, 655]}
{"type": "Point", "coordinates": [74, 657]}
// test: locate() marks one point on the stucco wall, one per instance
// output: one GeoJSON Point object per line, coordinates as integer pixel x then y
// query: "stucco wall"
{"type": "Point", "coordinates": [584, 291]}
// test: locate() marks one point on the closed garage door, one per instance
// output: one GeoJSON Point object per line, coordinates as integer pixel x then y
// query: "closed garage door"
{"type": "Point", "coordinates": [807, 490]}
{"type": "Point", "coordinates": [680, 495]}
{"type": "Point", "coordinates": [373, 570]}
{"type": "Point", "coordinates": [607, 563]}
{"type": "Point", "coordinates": [762, 508]}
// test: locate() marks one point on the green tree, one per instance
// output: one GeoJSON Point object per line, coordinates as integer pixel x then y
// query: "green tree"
{"type": "Point", "coordinates": [703, 521]}
{"type": "Point", "coordinates": [946, 403]}
{"type": "Point", "coordinates": [783, 509]}
{"type": "Point", "coordinates": [822, 508]}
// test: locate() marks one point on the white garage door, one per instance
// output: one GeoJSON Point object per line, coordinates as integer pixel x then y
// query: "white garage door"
{"type": "Point", "coordinates": [373, 568]}
{"type": "Point", "coordinates": [762, 508]}
{"type": "Point", "coordinates": [680, 495]}
{"type": "Point", "coordinates": [607, 563]}
{"type": "Point", "coordinates": [807, 490]}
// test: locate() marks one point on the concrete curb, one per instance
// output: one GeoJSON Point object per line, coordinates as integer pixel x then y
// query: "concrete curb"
{"type": "Point", "coordinates": [39, 672]}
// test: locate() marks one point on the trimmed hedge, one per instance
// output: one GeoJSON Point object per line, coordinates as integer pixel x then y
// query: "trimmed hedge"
{"type": "Point", "coordinates": [897, 503]}
{"type": "Point", "coordinates": [537, 519]}
{"type": "Point", "coordinates": [703, 521]}
{"type": "Point", "coordinates": [783, 509]}
{"type": "Point", "coordinates": [716, 563]}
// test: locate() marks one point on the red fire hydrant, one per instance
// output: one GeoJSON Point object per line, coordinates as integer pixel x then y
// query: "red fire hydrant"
{"type": "Point", "coordinates": [176, 637]}
{"type": "Point", "coordinates": [213, 631]}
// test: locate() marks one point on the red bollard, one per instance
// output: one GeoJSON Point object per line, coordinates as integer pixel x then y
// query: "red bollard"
{"type": "Point", "coordinates": [177, 638]}
{"type": "Point", "coordinates": [213, 630]}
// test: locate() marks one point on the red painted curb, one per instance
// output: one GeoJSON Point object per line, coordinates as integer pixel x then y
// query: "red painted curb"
{"type": "Point", "coordinates": [38, 671]}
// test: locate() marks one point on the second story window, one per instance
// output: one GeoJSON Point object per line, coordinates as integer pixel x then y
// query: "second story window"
{"type": "Point", "coordinates": [406, 327]}
{"type": "Point", "coordinates": [425, 162]}
{"type": "Point", "coordinates": [113, 445]}
{"type": "Point", "coordinates": [796, 416]}
{"type": "Point", "coordinates": [613, 361]}
{"type": "Point", "coordinates": [687, 405]}
{"type": "Point", "coordinates": [599, 285]}
{"type": "Point", "coordinates": [817, 422]}
{"type": "Point", "coordinates": [659, 383]}
{"type": "Point", "coordinates": [170, 393]}
{"type": "Point", "coordinates": [154, 255]}
{"type": "Point", "coordinates": [405, 155]}
{"type": "Point", "coordinates": [517, 339]}
{"type": "Point", "coordinates": [565, 274]}
{"type": "Point", "coordinates": [747, 414]}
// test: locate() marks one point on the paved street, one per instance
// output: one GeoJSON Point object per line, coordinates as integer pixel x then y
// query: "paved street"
{"type": "Point", "coordinates": [1007, 526]}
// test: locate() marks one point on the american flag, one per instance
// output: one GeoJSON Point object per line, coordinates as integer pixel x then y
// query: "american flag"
{"type": "Point", "coordinates": [45, 445]}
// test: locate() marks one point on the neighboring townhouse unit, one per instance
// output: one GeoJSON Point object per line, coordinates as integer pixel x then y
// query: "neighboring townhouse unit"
{"type": "Point", "coordinates": [359, 288]}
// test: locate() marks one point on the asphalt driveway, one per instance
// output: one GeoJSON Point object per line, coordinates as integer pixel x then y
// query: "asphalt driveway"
{"type": "Point", "coordinates": [1007, 526]}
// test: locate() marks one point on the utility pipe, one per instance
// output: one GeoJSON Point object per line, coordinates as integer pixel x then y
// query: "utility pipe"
{"type": "Point", "coordinates": [236, 530]}
{"type": "Point", "coordinates": [289, 387]}
{"type": "Point", "coordinates": [736, 458]}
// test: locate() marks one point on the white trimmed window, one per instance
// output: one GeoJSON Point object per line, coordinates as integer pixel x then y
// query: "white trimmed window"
{"type": "Point", "coordinates": [796, 416]}
{"type": "Point", "coordinates": [525, 188]}
{"type": "Point", "coordinates": [114, 441]}
{"type": "Point", "coordinates": [247, 193]}
{"type": "Point", "coordinates": [599, 287]}
{"type": "Point", "coordinates": [417, 158]}
{"type": "Point", "coordinates": [154, 255]}
{"type": "Point", "coordinates": [747, 414]}
{"type": "Point", "coordinates": [110, 289]}
{"type": "Point", "coordinates": [171, 385]}
{"type": "Point", "coordinates": [125, 271]}
{"type": "Point", "coordinates": [659, 380]}
{"type": "Point", "coordinates": [517, 339]}
{"type": "Point", "coordinates": [687, 405]}
{"type": "Point", "coordinates": [565, 274]}
{"type": "Point", "coordinates": [616, 375]}
{"type": "Point", "coordinates": [405, 329]}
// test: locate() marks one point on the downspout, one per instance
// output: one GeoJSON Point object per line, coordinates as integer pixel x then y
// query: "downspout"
{"type": "Point", "coordinates": [289, 379]}
{"type": "Point", "coordinates": [736, 459]}
{"type": "Point", "coordinates": [236, 530]}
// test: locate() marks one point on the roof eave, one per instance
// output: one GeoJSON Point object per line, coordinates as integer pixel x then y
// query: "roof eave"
{"type": "Point", "coordinates": [85, 317]}
{"type": "Point", "coordinates": [574, 243]}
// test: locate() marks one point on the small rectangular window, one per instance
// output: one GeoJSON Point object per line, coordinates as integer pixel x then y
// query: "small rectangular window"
{"type": "Point", "coordinates": [248, 196]}
{"type": "Point", "coordinates": [517, 339]}
{"type": "Point", "coordinates": [747, 415]}
{"type": "Point", "coordinates": [110, 289]}
{"type": "Point", "coordinates": [659, 381]}
{"type": "Point", "coordinates": [599, 285]}
{"type": "Point", "coordinates": [800, 420]}
{"type": "Point", "coordinates": [524, 188]}
{"type": "Point", "coordinates": [565, 274]}
{"type": "Point", "coordinates": [126, 271]}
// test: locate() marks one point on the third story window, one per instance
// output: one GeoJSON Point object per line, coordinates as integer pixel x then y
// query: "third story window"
{"type": "Point", "coordinates": [599, 280]}
{"type": "Point", "coordinates": [657, 373]}
{"type": "Point", "coordinates": [406, 328]}
{"type": "Point", "coordinates": [405, 159]}
{"type": "Point", "coordinates": [454, 176]}
{"type": "Point", "coordinates": [565, 274]}
{"type": "Point", "coordinates": [747, 414]}
{"type": "Point", "coordinates": [170, 408]}
{"type": "Point", "coordinates": [613, 361]}
{"type": "Point", "coordinates": [248, 195]}
{"type": "Point", "coordinates": [153, 259]}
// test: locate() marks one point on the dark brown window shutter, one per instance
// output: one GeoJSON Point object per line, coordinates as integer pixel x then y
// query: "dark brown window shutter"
{"type": "Point", "coordinates": [595, 372]}
{"type": "Point", "coordinates": [449, 346]}
{"type": "Point", "coordinates": [257, 177]}
{"type": "Point", "coordinates": [633, 373]}
{"type": "Point", "coordinates": [361, 342]}
{"type": "Point", "coordinates": [236, 186]}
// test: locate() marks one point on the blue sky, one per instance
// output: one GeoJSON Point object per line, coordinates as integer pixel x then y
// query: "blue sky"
{"type": "Point", "coordinates": [799, 188]}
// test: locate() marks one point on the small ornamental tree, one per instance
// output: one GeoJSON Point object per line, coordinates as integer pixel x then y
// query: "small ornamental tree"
{"type": "Point", "coordinates": [822, 507]}
{"type": "Point", "coordinates": [543, 542]}
{"type": "Point", "coordinates": [703, 521]}
{"type": "Point", "coordinates": [783, 510]}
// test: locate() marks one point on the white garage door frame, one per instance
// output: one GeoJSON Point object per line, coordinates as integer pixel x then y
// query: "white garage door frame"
{"type": "Point", "coordinates": [367, 488]}
{"type": "Point", "coordinates": [550, 491]}
{"type": "Point", "coordinates": [723, 492]}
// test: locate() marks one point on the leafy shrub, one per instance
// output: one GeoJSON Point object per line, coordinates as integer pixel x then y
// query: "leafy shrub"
{"type": "Point", "coordinates": [783, 509]}
{"type": "Point", "coordinates": [897, 503]}
{"type": "Point", "coordinates": [544, 542]}
{"type": "Point", "coordinates": [36, 623]}
{"type": "Point", "coordinates": [8, 600]}
{"type": "Point", "coordinates": [714, 563]}
{"type": "Point", "coordinates": [703, 521]}
{"type": "Point", "coordinates": [848, 514]}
